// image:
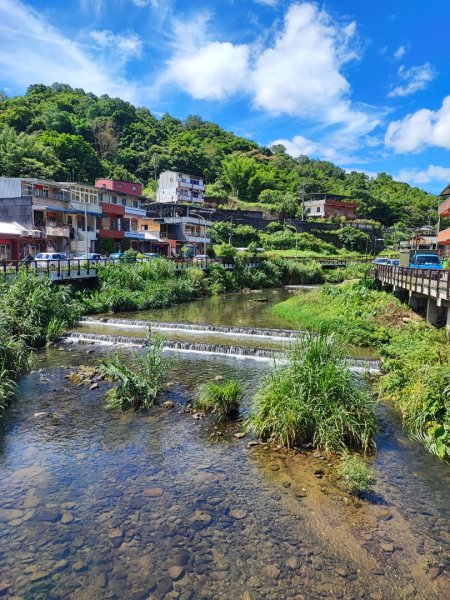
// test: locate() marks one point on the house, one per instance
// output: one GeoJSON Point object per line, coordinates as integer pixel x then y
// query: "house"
{"type": "Point", "coordinates": [444, 213]}
{"type": "Point", "coordinates": [122, 207]}
{"type": "Point", "coordinates": [182, 226]}
{"type": "Point", "coordinates": [180, 187]}
{"type": "Point", "coordinates": [330, 205]}
{"type": "Point", "coordinates": [54, 213]}
{"type": "Point", "coordinates": [152, 241]}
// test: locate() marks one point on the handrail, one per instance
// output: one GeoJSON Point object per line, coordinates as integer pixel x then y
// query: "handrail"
{"type": "Point", "coordinates": [429, 282]}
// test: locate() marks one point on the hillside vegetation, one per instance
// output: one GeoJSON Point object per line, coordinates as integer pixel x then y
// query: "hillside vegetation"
{"type": "Point", "coordinates": [62, 133]}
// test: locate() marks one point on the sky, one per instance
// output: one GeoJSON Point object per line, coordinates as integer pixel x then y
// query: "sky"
{"type": "Point", "coordinates": [363, 84]}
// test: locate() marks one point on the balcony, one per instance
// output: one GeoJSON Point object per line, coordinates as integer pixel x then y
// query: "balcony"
{"type": "Point", "coordinates": [444, 208]}
{"type": "Point", "coordinates": [57, 230]}
{"type": "Point", "coordinates": [135, 212]}
{"type": "Point", "coordinates": [189, 220]}
{"type": "Point", "coordinates": [444, 237]}
{"type": "Point", "coordinates": [195, 238]}
{"type": "Point", "coordinates": [135, 235]}
{"type": "Point", "coordinates": [81, 234]}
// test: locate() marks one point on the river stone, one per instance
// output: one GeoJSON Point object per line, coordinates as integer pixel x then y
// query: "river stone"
{"type": "Point", "coordinates": [116, 537]}
{"type": "Point", "coordinates": [4, 587]}
{"type": "Point", "coordinates": [293, 563]}
{"type": "Point", "coordinates": [238, 514]}
{"type": "Point", "coordinates": [387, 547]}
{"type": "Point", "coordinates": [49, 516]}
{"type": "Point", "coordinates": [38, 576]}
{"type": "Point", "coordinates": [239, 435]}
{"type": "Point", "coordinates": [153, 492]}
{"type": "Point", "coordinates": [272, 571]}
{"type": "Point", "coordinates": [168, 404]}
{"type": "Point", "coordinates": [10, 514]}
{"type": "Point", "coordinates": [201, 519]}
{"type": "Point", "coordinates": [181, 558]}
{"type": "Point", "coordinates": [79, 566]}
{"type": "Point", "coordinates": [59, 566]}
{"type": "Point", "coordinates": [383, 515]}
{"type": "Point", "coordinates": [94, 386]}
{"type": "Point", "coordinates": [67, 518]}
{"type": "Point", "coordinates": [176, 572]}
{"type": "Point", "coordinates": [165, 585]}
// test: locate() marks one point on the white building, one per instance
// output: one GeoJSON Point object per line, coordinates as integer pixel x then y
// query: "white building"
{"type": "Point", "coordinates": [180, 187]}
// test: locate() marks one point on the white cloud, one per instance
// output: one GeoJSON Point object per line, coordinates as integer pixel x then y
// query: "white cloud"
{"type": "Point", "coordinates": [400, 52]}
{"type": "Point", "coordinates": [418, 130]}
{"type": "Point", "coordinates": [128, 44]}
{"type": "Point", "coordinates": [33, 51]}
{"type": "Point", "coordinates": [416, 78]}
{"type": "Point", "coordinates": [267, 2]}
{"type": "Point", "coordinates": [433, 173]}
{"type": "Point", "coordinates": [299, 74]}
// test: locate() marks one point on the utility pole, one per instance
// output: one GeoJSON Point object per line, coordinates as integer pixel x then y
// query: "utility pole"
{"type": "Point", "coordinates": [155, 163]}
{"type": "Point", "coordinates": [302, 197]}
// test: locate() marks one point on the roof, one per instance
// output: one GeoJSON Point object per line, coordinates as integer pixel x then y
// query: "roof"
{"type": "Point", "coordinates": [13, 228]}
{"type": "Point", "coordinates": [445, 191]}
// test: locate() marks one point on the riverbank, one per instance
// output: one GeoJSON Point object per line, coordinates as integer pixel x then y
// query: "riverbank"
{"type": "Point", "coordinates": [416, 357]}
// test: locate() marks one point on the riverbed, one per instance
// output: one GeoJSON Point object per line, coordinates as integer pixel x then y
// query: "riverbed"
{"type": "Point", "coordinates": [157, 504]}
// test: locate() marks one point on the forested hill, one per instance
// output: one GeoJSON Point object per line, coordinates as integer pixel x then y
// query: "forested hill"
{"type": "Point", "coordinates": [61, 133]}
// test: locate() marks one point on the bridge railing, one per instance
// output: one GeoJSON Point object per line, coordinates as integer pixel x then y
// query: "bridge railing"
{"type": "Point", "coordinates": [429, 282]}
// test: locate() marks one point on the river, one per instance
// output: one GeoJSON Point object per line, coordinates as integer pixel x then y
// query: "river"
{"type": "Point", "coordinates": [95, 504]}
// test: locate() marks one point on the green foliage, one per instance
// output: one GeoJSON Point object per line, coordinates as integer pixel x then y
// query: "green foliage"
{"type": "Point", "coordinates": [225, 251]}
{"type": "Point", "coordinates": [222, 231]}
{"type": "Point", "coordinates": [140, 384]}
{"type": "Point", "coordinates": [353, 238]}
{"type": "Point", "coordinates": [314, 399]}
{"type": "Point", "coordinates": [221, 398]}
{"type": "Point", "coordinates": [356, 475]}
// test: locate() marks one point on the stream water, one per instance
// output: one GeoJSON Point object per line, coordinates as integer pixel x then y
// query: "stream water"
{"type": "Point", "coordinates": [95, 504]}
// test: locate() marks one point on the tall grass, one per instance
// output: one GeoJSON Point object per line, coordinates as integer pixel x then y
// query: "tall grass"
{"type": "Point", "coordinates": [139, 384]}
{"type": "Point", "coordinates": [223, 399]}
{"type": "Point", "coordinates": [314, 399]}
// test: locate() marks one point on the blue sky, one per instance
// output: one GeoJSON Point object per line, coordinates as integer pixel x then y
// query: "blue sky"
{"type": "Point", "coordinates": [363, 84]}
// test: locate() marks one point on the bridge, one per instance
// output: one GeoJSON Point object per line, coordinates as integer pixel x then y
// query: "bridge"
{"type": "Point", "coordinates": [425, 290]}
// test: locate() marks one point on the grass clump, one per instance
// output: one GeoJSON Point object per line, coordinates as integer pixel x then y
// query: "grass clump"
{"type": "Point", "coordinates": [356, 475]}
{"type": "Point", "coordinates": [314, 399]}
{"type": "Point", "coordinates": [139, 384]}
{"type": "Point", "coordinates": [222, 399]}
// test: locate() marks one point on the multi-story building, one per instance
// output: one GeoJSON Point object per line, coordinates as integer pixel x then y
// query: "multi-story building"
{"type": "Point", "coordinates": [180, 187]}
{"type": "Point", "coordinates": [122, 207]}
{"type": "Point", "coordinates": [53, 214]}
{"type": "Point", "coordinates": [444, 213]}
{"type": "Point", "coordinates": [182, 227]}
{"type": "Point", "coordinates": [330, 205]}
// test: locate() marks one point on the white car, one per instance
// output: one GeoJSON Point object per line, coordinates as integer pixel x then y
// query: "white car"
{"type": "Point", "coordinates": [52, 259]}
{"type": "Point", "coordinates": [92, 257]}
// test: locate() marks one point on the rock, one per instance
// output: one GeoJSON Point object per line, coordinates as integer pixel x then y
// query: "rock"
{"type": "Point", "coordinates": [41, 415]}
{"type": "Point", "coordinates": [168, 404]}
{"type": "Point", "coordinates": [218, 378]}
{"type": "Point", "coordinates": [31, 500]}
{"type": "Point", "coordinates": [176, 572]}
{"type": "Point", "coordinates": [239, 435]}
{"type": "Point", "coordinates": [165, 586]}
{"type": "Point", "coordinates": [79, 566]}
{"type": "Point", "coordinates": [378, 595]}
{"type": "Point", "coordinates": [383, 515]}
{"type": "Point", "coordinates": [272, 571]}
{"type": "Point", "coordinates": [342, 572]}
{"type": "Point", "coordinates": [434, 572]}
{"type": "Point", "coordinates": [38, 576]}
{"type": "Point", "coordinates": [252, 444]}
{"type": "Point", "coordinates": [67, 518]}
{"type": "Point", "coordinates": [116, 537]}
{"type": "Point", "coordinates": [387, 547]}
{"type": "Point", "coordinates": [153, 492]}
{"type": "Point", "coordinates": [94, 386]}
{"type": "Point", "coordinates": [60, 566]}
{"type": "Point", "coordinates": [49, 516]}
{"type": "Point", "coordinates": [198, 416]}
{"type": "Point", "coordinates": [238, 514]}
{"type": "Point", "coordinates": [406, 319]}
{"type": "Point", "coordinates": [181, 558]}
{"type": "Point", "coordinates": [201, 519]}
{"type": "Point", "coordinates": [293, 563]}
{"type": "Point", "coordinates": [10, 514]}
{"type": "Point", "coordinates": [368, 537]}
{"type": "Point", "coordinates": [4, 587]}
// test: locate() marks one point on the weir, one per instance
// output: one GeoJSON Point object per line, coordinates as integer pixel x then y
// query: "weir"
{"type": "Point", "coordinates": [192, 327]}
{"type": "Point", "coordinates": [75, 337]}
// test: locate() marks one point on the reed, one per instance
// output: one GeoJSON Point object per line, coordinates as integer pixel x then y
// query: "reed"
{"type": "Point", "coordinates": [222, 399]}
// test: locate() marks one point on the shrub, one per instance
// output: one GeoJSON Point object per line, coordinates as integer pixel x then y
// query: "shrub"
{"type": "Point", "coordinates": [314, 399]}
{"type": "Point", "coordinates": [356, 475]}
{"type": "Point", "coordinates": [222, 399]}
{"type": "Point", "coordinates": [225, 251]}
{"type": "Point", "coordinates": [140, 384]}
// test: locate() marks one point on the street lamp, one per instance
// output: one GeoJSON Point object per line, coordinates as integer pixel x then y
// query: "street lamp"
{"type": "Point", "coordinates": [86, 245]}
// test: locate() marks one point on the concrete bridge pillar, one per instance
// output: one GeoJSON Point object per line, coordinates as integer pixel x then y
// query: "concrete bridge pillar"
{"type": "Point", "coordinates": [416, 302]}
{"type": "Point", "coordinates": [436, 315]}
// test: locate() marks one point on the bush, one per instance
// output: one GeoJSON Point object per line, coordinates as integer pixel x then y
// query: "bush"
{"type": "Point", "coordinates": [140, 384]}
{"type": "Point", "coordinates": [303, 273]}
{"type": "Point", "coordinates": [225, 251]}
{"type": "Point", "coordinates": [314, 399]}
{"type": "Point", "coordinates": [356, 475]}
{"type": "Point", "coordinates": [222, 399]}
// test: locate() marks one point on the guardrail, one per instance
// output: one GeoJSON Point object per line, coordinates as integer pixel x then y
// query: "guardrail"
{"type": "Point", "coordinates": [428, 282]}
{"type": "Point", "coordinates": [332, 261]}
{"type": "Point", "coordinates": [79, 268]}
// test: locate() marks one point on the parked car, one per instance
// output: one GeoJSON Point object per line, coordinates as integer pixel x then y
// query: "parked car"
{"type": "Point", "coordinates": [92, 256]}
{"type": "Point", "coordinates": [116, 257]}
{"type": "Point", "coordinates": [381, 261]}
{"type": "Point", "coordinates": [394, 262]}
{"type": "Point", "coordinates": [151, 255]}
{"type": "Point", "coordinates": [52, 259]}
{"type": "Point", "coordinates": [425, 261]}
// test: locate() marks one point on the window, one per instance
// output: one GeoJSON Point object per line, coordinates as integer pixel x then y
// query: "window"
{"type": "Point", "coordinates": [5, 252]}
{"type": "Point", "coordinates": [134, 188]}
{"type": "Point", "coordinates": [124, 201]}
{"type": "Point", "coordinates": [135, 204]}
{"type": "Point", "coordinates": [114, 199]}
{"type": "Point", "coordinates": [144, 227]}
{"type": "Point", "coordinates": [318, 209]}
{"type": "Point", "coordinates": [195, 182]}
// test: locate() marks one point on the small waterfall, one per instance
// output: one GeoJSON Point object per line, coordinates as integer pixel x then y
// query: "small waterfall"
{"type": "Point", "coordinates": [197, 328]}
{"type": "Point", "coordinates": [74, 337]}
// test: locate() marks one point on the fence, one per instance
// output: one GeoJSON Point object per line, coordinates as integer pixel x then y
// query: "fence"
{"type": "Point", "coordinates": [434, 283]}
